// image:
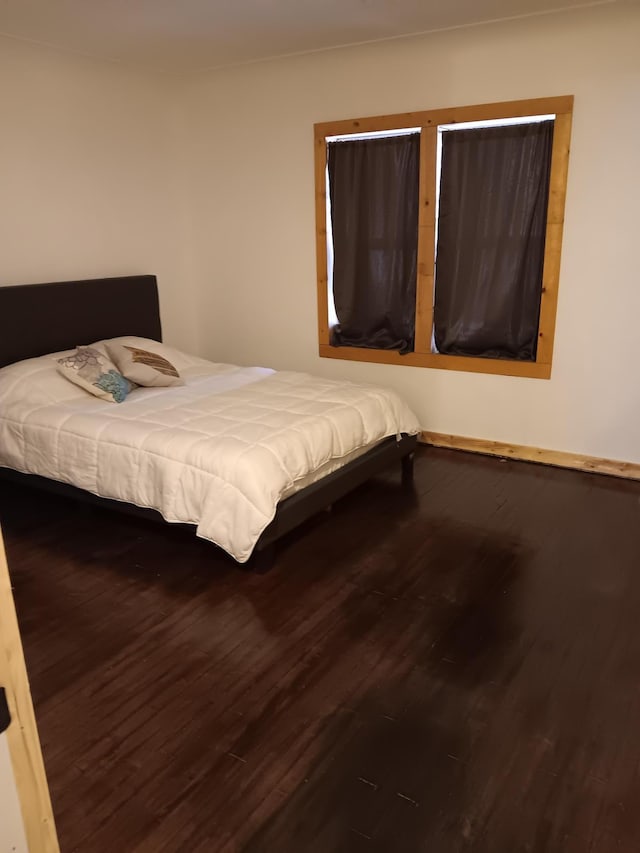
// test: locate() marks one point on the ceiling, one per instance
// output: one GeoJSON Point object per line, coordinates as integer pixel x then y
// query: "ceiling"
{"type": "Point", "coordinates": [192, 35]}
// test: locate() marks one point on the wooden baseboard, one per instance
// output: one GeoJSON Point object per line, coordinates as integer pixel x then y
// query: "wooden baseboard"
{"type": "Point", "coordinates": [593, 464]}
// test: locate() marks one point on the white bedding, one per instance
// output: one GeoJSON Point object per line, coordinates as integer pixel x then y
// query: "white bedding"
{"type": "Point", "coordinates": [218, 452]}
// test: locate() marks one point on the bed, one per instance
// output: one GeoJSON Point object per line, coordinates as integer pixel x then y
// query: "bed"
{"type": "Point", "coordinates": [43, 319]}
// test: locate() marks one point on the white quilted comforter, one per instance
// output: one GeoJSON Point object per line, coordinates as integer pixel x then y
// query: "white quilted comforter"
{"type": "Point", "coordinates": [218, 452]}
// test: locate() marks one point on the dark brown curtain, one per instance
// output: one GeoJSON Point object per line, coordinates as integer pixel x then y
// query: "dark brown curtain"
{"type": "Point", "coordinates": [491, 232]}
{"type": "Point", "coordinates": [373, 189]}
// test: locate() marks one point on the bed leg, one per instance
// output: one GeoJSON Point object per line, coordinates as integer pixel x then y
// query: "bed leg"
{"type": "Point", "coordinates": [263, 559]}
{"type": "Point", "coordinates": [407, 470]}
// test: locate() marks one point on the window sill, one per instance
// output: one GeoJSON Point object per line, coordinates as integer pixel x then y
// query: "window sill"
{"type": "Point", "coordinates": [531, 369]}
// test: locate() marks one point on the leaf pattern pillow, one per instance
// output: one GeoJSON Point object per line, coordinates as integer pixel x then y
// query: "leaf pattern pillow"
{"type": "Point", "coordinates": [90, 369]}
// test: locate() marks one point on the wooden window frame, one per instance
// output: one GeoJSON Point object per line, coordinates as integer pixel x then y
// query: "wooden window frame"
{"type": "Point", "coordinates": [429, 121]}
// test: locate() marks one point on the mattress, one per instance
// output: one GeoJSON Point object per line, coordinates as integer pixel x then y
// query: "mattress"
{"type": "Point", "coordinates": [219, 452]}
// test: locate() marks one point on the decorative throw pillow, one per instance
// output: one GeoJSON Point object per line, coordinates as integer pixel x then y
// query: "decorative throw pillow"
{"type": "Point", "coordinates": [93, 371]}
{"type": "Point", "coordinates": [144, 367]}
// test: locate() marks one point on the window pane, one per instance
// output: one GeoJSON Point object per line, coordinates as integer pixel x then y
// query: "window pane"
{"type": "Point", "coordinates": [491, 232]}
{"type": "Point", "coordinates": [373, 189]}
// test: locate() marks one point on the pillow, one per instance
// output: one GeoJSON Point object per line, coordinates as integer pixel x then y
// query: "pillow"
{"type": "Point", "coordinates": [93, 371]}
{"type": "Point", "coordinates": [143, 367]}
{"type": "Point", "coordinates": [182, 361]}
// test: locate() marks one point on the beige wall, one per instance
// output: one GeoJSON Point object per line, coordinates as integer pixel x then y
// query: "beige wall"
{"type": "Point", "coordinates": [249, 142]}
{"type": "Point", "coordinates": [88, 182]}
{"type": "Point", "coordinates": [208, 182]}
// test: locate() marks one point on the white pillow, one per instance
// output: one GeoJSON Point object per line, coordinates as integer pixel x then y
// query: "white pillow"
{"type": "Point", "coordinates": [143, 366]}
{"type": "Point", "coordinates": [37, 382]}
{"type": "Point", "coordinates": [182, 361]}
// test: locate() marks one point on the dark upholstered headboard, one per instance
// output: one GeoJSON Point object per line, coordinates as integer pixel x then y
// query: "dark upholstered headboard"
{"type": "Point", "coordinates": [36, 319]}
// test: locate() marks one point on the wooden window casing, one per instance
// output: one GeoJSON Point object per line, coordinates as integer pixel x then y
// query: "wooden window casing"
{"type": "Point", "coordinates": [428, 122]}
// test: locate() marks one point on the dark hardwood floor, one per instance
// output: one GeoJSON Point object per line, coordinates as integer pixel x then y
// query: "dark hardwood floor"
{"type": "Point", "coordinates": [453, 670]}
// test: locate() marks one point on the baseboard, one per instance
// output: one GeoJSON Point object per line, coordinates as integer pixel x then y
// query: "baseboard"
{"type": "Point", "coordinates": [593, 464]}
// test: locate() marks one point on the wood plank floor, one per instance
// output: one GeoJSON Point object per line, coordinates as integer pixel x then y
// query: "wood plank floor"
{"type": "Point", "coordinates": [453, 670]}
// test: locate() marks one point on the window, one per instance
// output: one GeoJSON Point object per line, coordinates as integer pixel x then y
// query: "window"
{"type": "Point", "coordinates": [439, 236]}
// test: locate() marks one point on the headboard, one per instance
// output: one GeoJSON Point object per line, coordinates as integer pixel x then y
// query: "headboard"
{"type": "Point", "coordinates": [36, 319]}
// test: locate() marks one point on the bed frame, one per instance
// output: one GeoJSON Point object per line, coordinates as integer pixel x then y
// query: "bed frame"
{"type": "Point", "coordinates": [36, 319]}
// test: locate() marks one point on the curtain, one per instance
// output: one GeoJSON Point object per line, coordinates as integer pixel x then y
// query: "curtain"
{"type": "Point", "coordinates": [491, 232]}
{"type": "Point", "coordinates": [373, 191]}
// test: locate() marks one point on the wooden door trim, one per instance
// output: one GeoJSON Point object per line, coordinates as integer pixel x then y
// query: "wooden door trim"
{"type": "Point", "coordinates": [22, 734]}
